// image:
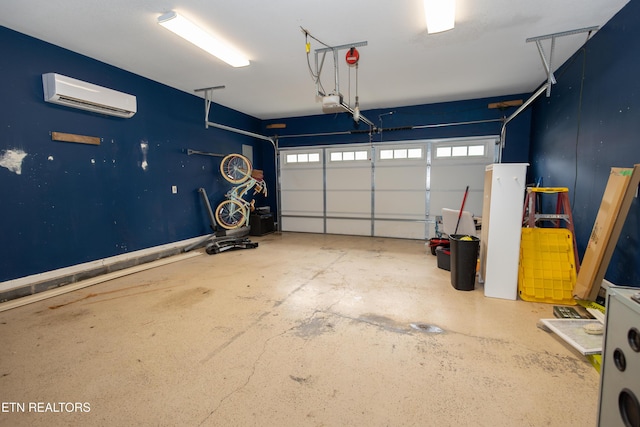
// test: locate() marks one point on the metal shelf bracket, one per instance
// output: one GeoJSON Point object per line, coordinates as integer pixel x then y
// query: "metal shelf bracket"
{"type": "Point", "coordinates": [547, 62]}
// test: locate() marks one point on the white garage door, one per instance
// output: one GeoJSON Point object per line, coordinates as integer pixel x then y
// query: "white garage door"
{"type": "Point", "coordinates": [390, 190]}
{"type": "Point", "coordinates": [400, 186]}
{"type": "Point", "coordinates": [455, 165]}
{"type": "Point", "coordinates": [302, 190]}
{"type": "Point", "coordinates": [348, 190]}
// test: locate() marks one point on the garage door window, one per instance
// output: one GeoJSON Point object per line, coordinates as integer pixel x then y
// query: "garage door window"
{"type": "Point", "coordinates": [303, 158]}
{"type": "Point", "coordinates": [345, 156]}
{"type": "Point", "coordinates": [401, 153]}
{"type": "Point", "coordinates": [475, 150]}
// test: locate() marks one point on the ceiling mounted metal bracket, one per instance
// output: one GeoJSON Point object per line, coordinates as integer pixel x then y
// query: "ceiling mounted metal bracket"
{"type": "Point", "coordinates": [334, 50]}
{"type": "Point", "coordinates": [208, 98]}
{"type": "Point", "coordinates": [547, 63]}
{"type": "Point", "coordinates": [336, 89]}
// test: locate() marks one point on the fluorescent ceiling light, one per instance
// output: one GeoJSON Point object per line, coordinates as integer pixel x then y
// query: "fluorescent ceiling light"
{"type": "Point", "coordinates": [190, 32]}
{"type": "Point", "coordinates": [440, 14]}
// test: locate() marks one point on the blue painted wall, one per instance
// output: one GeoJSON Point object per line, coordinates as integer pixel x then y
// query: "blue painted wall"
{"type": "Point", "coordinates": [395, 122]}
{"type": "Point", "coordinates": [73, 203]}
{"type": "Point", "coordinates": [591, 123]}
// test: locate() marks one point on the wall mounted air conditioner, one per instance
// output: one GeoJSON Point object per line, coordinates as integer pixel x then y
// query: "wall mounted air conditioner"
{"type": "Point", "coordinates": [64, 90]}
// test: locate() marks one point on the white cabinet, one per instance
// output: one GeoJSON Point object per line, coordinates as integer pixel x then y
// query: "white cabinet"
{"type": "Point", "coordinates": [504, 186]}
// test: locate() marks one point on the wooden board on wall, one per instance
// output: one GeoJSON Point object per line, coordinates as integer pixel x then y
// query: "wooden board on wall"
{"type": "Point", "coordinates": [71, 137]}
{"type": "Point", "coordinates": [617, 198]}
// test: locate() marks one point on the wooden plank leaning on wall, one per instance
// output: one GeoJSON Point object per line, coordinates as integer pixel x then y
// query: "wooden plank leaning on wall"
{"type": "Point", "coordinates": [618, 195]}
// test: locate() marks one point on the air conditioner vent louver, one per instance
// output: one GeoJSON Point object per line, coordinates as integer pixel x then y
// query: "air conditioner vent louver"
{"type": "Point", "coordinates": [83, 104]}
{"type": "Point", "coordinates": [59, 89]}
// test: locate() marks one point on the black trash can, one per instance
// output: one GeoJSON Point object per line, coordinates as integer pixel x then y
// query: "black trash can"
{"type": "Point", "coordinates": [464, 258]}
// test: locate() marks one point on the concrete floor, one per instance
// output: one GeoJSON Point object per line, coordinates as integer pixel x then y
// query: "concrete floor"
{"type": "Point", "coordinates": [305, 330]}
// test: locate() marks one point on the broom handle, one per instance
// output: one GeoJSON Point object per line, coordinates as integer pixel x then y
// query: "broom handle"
{"type": "Point", "coordinates": [464, 199]}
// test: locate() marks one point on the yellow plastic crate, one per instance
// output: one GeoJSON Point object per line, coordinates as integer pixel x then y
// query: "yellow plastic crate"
{"type": "Point", "coordinates": [547, 271]}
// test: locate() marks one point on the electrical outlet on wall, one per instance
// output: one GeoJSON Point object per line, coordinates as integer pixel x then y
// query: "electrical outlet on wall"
{"type": "Point", "coordinates": [174, 189]}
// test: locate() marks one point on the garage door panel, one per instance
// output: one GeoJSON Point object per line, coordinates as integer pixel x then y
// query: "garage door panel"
{"type": "Point", "coordinates": [304, 225]}
{"type": "Point", "coordinates": [349, 179]}
{"type": "Point", "coordinates": [350, 227]}
{"type": "Point", "coordinates": [452, 177]}
{"type": "Point", "coordinates": [399, 229]}
{"type": "Point", "coordinates": [349, 203]}
{"type": "Point", "coordinates": [453, 200]}
{"type": "Point", "coordinates": [301, 179]}
{"type": "Point", "coordinates": [400, 203]}
{"type": "Point", "coordinates": [296, 202]}
{"type": "Point", "coordinates": [449, 181]}
{"type": "Point", "coordinates": [302, 190]}
{"type": "Point", "coordinates": [409, 177]}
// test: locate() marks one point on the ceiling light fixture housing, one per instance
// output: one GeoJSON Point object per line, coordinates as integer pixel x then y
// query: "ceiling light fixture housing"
{"type": "Point", "coordinates": [205, 41]}
{"type": "Point", "coordinates": [440, 15]}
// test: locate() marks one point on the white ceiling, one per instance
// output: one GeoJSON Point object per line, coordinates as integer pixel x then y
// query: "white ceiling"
{"type": "Point", "coordinates": [485, 55]}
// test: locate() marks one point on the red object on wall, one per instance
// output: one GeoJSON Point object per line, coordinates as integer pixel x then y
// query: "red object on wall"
{"type": "Point", "coordinates": [352, 56]}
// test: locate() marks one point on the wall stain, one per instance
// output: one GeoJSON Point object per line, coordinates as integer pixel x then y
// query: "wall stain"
{"type": "Point", "coordinates": [12, 160]}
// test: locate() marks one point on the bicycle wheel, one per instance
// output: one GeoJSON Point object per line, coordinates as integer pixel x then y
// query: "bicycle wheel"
{"type": "Point", "coordinates": [231, 214]}
{"type": "Point", "coordinates": [235, 168]}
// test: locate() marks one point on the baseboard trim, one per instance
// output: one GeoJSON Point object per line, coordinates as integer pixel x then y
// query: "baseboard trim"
{"type": "Point", "coordinates": [36, 283]}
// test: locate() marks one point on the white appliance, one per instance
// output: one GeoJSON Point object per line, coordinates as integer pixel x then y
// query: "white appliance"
{"type": "Point", "coordinates": [620, 372]}
{"type": "Point", "coordinates": [63, 90]}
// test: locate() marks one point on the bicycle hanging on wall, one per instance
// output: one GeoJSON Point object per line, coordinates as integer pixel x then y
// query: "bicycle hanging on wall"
{"type": "Point", "coordinates": [235, 211]}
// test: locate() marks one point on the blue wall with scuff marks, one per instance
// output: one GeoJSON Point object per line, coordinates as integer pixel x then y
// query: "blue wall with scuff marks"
{"type": "Point", "coordinates": [590, 124]}
{"type": "Point", "coordinates": [72, 203]}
